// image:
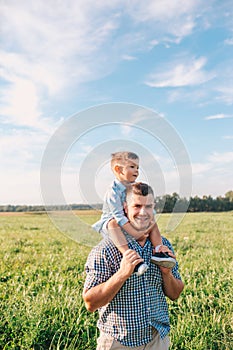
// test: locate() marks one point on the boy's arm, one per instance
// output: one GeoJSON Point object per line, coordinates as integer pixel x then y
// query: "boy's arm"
{"type": "Point", "coordinates": [136, 233]}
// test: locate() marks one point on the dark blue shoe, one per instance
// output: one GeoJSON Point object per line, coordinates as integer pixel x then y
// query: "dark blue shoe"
{"type": "Point", "coordinates": [163, 259]}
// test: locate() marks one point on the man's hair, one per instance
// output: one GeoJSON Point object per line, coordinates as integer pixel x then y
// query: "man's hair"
{"type": "Point", "coordinates": [140, 189]}
{"type": "Point", "coordinates": [122, 157]}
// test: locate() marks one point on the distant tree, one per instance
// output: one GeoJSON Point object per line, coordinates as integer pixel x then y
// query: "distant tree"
{"type": "Point", "coordinates": [229, 195]}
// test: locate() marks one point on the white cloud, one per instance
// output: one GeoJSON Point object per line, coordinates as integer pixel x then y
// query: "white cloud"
{"type": "Point", "coordinates": [20, 106]}
{"type": "Point", "coordinates": [195, 95]}
{"type": "Point", "coordinates": [20, 103]}
{"type": "Point", "coordinates": [187, 72]}
{"type": "Point", "coordinates": [221, 158]}
{"type": "Point", "coordinates": [128, 58]}
{"type": "Point", "coordinates": [218, 170]}
{"type": "Point", "coordinates": [214, 161]}
{"type": "Point", "coordinates": [153, 43]}
{"type": "Point", "coordinates": [151, 10]}
{"type": "Point", "coordinates": [21, 150]}
{"type": "Point", "coordinates": [20, 158]}
{"type": "Point", "coordinates": [218, 184]}
{"type": "Point", "coordinates": [218, 116]}
{"type": "Point", "coordinates": [225, 93]}
{"type": "Point", "coordinates": [200, 168]}
{"type": "Point", "coordinates": [178, 21]}
{"type": "Point", "coordinates": [20, 189]}
{"type": "Point", "coordinates": [228, 41]}
{"type": "Point", "coordinates": [126, 130]}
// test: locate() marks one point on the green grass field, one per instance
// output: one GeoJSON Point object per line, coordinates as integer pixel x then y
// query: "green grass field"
{"type": "Point", "coordinates": [41, 281]}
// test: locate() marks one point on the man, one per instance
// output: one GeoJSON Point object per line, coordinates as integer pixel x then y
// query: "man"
{"type": "Point", "coordinates": [133, 311]}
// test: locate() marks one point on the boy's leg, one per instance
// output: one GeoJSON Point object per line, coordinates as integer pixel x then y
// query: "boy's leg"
{"type": "Point", "coordinates": [120, 241]}
{"type": "Point", "coordinates": [117, 236]}
{"type": "Point", "coordinates": [155, 236]}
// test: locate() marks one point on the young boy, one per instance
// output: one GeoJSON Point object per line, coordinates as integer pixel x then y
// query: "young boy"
{"type": "Point", "coordinates": [125, 168]}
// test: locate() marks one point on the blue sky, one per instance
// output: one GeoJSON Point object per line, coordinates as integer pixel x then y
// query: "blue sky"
{"type": "Point", "coordinates": [59, 58]}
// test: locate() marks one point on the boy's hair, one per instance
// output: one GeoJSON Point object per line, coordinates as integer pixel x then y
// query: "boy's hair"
{"type": "Point", "coordinates": [122, 157]}
{"type": "Point", "coordinates": [140, 189]}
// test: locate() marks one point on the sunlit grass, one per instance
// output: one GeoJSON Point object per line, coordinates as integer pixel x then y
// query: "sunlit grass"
{"type": "Point", "coordinates": [41, 281]}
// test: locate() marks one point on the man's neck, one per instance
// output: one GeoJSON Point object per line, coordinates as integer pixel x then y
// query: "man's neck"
{"type": "Point", "coordinates": [142, 242]}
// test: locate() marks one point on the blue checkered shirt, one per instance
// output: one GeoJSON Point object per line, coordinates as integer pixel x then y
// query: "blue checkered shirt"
{"type": "Point", "coordinates": [140, 305]}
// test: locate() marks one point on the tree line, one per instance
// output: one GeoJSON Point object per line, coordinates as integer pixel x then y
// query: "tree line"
{"type": "Point", "coordinates": [170, 203]}
{"type": "Point", "coordinates": [164, 204]}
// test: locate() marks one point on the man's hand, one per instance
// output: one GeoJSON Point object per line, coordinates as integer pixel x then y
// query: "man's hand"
{"type": "Point", "coordinates": [130, 259]}
{"type": "Point", "coordinates": [165, 249]}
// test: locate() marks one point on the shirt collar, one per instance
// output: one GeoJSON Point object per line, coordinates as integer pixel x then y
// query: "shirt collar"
{"type": "Point", "coordinates": [120, 186]}
{"type": "Point", "coordinates": [135, 244]}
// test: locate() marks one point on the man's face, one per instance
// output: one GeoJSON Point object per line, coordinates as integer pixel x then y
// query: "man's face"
{"type": "Point", "coordinates": [139, 210]}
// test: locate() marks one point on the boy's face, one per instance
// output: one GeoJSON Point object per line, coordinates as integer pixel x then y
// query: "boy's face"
{"type": "Point", "coordinates": [129, 171]}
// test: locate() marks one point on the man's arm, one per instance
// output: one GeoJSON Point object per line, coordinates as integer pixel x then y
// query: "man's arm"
{"type": "Point", "coordinates": [103, 293]}
{"type": "Point", "coordinates": [172, 286]}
